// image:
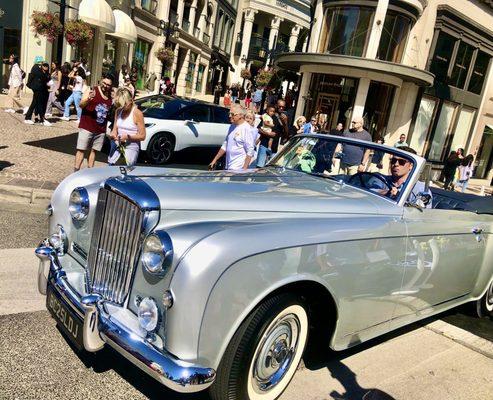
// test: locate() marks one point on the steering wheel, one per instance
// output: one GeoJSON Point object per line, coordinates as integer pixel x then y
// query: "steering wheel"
{"type": "Point", "coordinates": [359, 180]}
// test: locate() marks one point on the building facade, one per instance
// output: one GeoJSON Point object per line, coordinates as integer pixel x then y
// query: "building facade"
{"type": "Point", "coordinates": [418, 67]}
{"type": "Point", "coordinates": [265, 28]}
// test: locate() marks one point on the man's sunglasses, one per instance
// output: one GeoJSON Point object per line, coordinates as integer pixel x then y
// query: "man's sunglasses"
{"type": "Point", "coordinates": [399, 161]}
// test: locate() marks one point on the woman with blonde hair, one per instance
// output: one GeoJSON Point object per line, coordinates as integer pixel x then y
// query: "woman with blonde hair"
{"type": "Point", "coordinates": [299, 123]}
{"type": "Point", "coordinates": [128, 129]}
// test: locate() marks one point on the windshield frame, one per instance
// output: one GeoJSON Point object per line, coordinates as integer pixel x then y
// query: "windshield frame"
{"type": "Point", "coordinates": [418, 162]}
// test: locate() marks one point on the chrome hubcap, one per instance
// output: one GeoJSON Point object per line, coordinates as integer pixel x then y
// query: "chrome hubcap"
{"type": "Point", "coordinates": [275, 352]}
{"type": "Point", "coordinates": [489, 298]}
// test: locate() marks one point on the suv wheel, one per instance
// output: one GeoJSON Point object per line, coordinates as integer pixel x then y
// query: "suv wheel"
{"type": "Point", "coordinates": [160, 148]}
{"type": "Point", "coordinates": [265, 352]}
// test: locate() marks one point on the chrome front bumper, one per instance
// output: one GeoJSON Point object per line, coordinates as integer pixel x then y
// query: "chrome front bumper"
{"type": "Point", "coordinates": [99, 328]}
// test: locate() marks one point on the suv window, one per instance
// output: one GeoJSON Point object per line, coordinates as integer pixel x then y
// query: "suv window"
{"type": "Point", "coordinates": [198, 113]}
{"type": "Point", "coordinates": [221, 115]}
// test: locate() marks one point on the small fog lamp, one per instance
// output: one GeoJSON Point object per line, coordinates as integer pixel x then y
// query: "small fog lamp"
{"type": "Point", "coordinates": [148, 314]}
{"type": "Point", "coordinates": [58, 240]}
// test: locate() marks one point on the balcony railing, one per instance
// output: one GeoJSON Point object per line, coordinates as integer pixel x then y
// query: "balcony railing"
{"type": "Point", "coordinates": [206, 38]}
{"type": "Point", "coordinates": [186, 25]}
{"type": "Point", "coordinates": [149, 5]}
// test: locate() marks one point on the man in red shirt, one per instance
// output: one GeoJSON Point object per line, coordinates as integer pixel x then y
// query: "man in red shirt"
{"type": "Point", "coordinates": [96, 104]}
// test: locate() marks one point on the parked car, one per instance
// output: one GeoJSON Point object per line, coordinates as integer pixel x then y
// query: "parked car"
{"type": "Point", "coordinates": [221, 280]}
{"type": "Point", "coordinates": [153, 101]}
{"type": "Point", "coordinates": [181, 124]}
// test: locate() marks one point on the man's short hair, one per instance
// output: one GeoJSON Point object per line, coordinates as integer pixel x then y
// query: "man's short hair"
{"type": "Point", "coordinates": [408, 149]}
{"type": "Point", "coordinates": [108, 76]}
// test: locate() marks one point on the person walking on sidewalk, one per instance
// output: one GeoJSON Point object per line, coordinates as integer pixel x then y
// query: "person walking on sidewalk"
{"type": "Point", "coordinates": [15, 84]}
{"type": "Point", "coordinates": [77, 76]}
{"type": "Point", "coordinates": [96, 103]}
{"type": "Point", "coordinates": [38, 83]}
{"type": "Point", "coordinates": [54, 87]}
{"type": "Point", "coordinates": [128, 129]}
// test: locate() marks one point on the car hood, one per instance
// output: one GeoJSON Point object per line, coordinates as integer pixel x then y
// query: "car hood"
{"type": "Point", "coordinates": [262, 190]}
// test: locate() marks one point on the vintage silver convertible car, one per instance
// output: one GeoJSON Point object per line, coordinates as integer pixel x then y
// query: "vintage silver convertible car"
{"type": "Point", "coordinates": [223, 280]}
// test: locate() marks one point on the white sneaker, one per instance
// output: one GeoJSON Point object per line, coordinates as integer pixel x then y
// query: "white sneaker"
{"type": "Point", "coordinates": [65, 118]}
{"type": "Point", "coordinates": [29, 122]}
{"type": "Point", "coordinates": [9, 110]}
{"type": "Point", "coordinates": [47, 123]}
{"type": "Point", "coordinates": [49, 115]}
{"type": "Point", "coordinates": [24, 111]}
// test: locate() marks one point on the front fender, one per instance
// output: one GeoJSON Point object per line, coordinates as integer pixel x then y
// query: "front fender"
{"type": "Point", "coordinates": [223, 276]}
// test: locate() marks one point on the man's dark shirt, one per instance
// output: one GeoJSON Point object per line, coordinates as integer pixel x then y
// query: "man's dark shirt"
{"type": "Point", "coordinates": [278, 129]}
{"type": "Point", "coordinates": [353, 155]}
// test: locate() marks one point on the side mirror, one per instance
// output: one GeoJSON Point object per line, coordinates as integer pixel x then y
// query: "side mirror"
{"type": "Point", "coordinates": [423, 199]}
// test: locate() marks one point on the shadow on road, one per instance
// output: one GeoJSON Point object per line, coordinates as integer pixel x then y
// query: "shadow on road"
{"type": "Point", "coordinates": [5, 164]}
{"type": "Point", "coordinates": [66, 144]}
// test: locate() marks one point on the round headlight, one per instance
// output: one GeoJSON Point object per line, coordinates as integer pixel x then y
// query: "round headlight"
{"type": "Point", "coordinates": [148, 314]}
{"type": "Point", "coordinates": [79, 204]}
{"type": "Point", "coordinates": [157, 253]}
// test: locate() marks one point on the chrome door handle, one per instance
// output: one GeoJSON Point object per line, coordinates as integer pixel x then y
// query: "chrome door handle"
{"type": "Point", "coordinates": [477, 231]}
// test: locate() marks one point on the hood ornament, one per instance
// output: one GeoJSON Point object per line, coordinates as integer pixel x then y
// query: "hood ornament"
{"type": "Point", "coordinates": [123, 172]}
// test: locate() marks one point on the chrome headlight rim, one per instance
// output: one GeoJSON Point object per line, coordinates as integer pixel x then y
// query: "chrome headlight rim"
{"type": "Point", "coordinates": [79, 210]}
{"type": "Point", "coordinates": [162, 249]}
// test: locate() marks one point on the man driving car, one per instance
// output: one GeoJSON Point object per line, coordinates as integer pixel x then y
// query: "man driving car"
{"type": "Point", "coordinates": [400, 168]}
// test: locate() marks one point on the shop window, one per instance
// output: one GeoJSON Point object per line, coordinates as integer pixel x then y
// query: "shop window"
{"type": "Point", "coordinates": [443, 56]}
{"type": "Point", "coordinates": [11, 45]}
{"type": "Point", "coordinates": [394, 37]}
{"type": "Point", "coordinates": [479, 71]}
{"type": "Point", "coordinates": [200, 78]}
{"type": "Point", "coordinates": [463, 128]}
{"type": "Point", "coordinates": [149, 5]}
{"type": "Point", "coordinates": [377, 108]}
{"type": "Point", "coordinates": [141, 58]}
{"type": "Point", "coordinates": [423, 123]}
{"type": "Point", "coordinates": [110, 56]}
{"type": "Point", "coordinates": [190, 72]}
{"type": "Point", "coordinates": [461, 65]}
{"type": "Point", "coordinates": [484, 159]}
{"type": "Point", "coordinates": [348, 30]}
{"type": "Point", "coordinates": [442, 131]}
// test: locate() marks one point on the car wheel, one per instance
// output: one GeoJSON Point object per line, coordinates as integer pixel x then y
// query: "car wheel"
{"type": "Point", "coordinates": [160, 148]}
{"type": "Point", "coordinates": [264, 353]}
{"type": "Point", "coordinates": [484, 306]}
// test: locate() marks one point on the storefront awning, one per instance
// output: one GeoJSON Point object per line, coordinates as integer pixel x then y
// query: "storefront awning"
{"type": "Point", "coordinates": [124, 27]}
{"type": "Point", "coordinates": [218, 58]}
{"type": "Point", "coordinates": [97, 13]}
{"type": "Point", "coordinates": [325, 61]}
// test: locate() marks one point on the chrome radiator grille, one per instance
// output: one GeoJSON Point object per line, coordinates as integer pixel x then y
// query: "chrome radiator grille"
{"type": "Point", "coordinates": [114, 246]}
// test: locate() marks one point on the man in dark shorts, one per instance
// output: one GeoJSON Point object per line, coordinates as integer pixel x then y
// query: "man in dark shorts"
{"type": "Point", "coordinates": [96, 103]}
{"type": "Point", "coordinates": [355, 158]}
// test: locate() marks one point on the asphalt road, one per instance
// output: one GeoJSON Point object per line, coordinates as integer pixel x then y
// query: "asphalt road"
{"type": "Point", "coordinates": [36, 362]}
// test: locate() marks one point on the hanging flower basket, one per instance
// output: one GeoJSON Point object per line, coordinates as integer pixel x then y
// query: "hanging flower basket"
{"type": "Point", "coordinates": [245, 73]}
{"type": "Point", "coordinates": [46, 24]}
{"type": "Point", "coordinates": [78, 33]}
{"type": "Point", "coordinates": [264, 77]}
{"type": "Point", "coordinates": [166, 56]}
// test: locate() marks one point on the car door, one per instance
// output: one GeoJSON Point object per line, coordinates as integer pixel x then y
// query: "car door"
{"type": "Point", "coordinates": [444, 253]}
{"type": "Point", "coordinates": [197, 126]}
{"type": "Point", "coordinates": [221, 123]}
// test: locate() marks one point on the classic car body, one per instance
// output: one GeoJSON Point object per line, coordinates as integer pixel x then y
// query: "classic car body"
{"type": "Point", "coordinates": [364, 265]}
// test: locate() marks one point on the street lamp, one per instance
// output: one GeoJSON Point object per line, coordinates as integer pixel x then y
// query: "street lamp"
{"type": "Point", "coordinates": [167, 29]}
{"type": "Point", "coordinates": [63, 5]}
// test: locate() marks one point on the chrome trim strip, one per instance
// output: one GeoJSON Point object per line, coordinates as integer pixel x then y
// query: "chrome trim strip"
{"type": "Point", "coordinates": [100, 328]}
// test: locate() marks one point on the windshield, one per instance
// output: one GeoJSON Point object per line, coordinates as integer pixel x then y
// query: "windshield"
{"type": "Point", "coordinates": [383, 171]}
{"type": "Point", "coordinates": [167, 111]}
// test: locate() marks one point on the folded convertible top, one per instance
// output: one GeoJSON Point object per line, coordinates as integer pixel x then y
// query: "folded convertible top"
{"type": "Point", "coordinates": [449, 200]}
